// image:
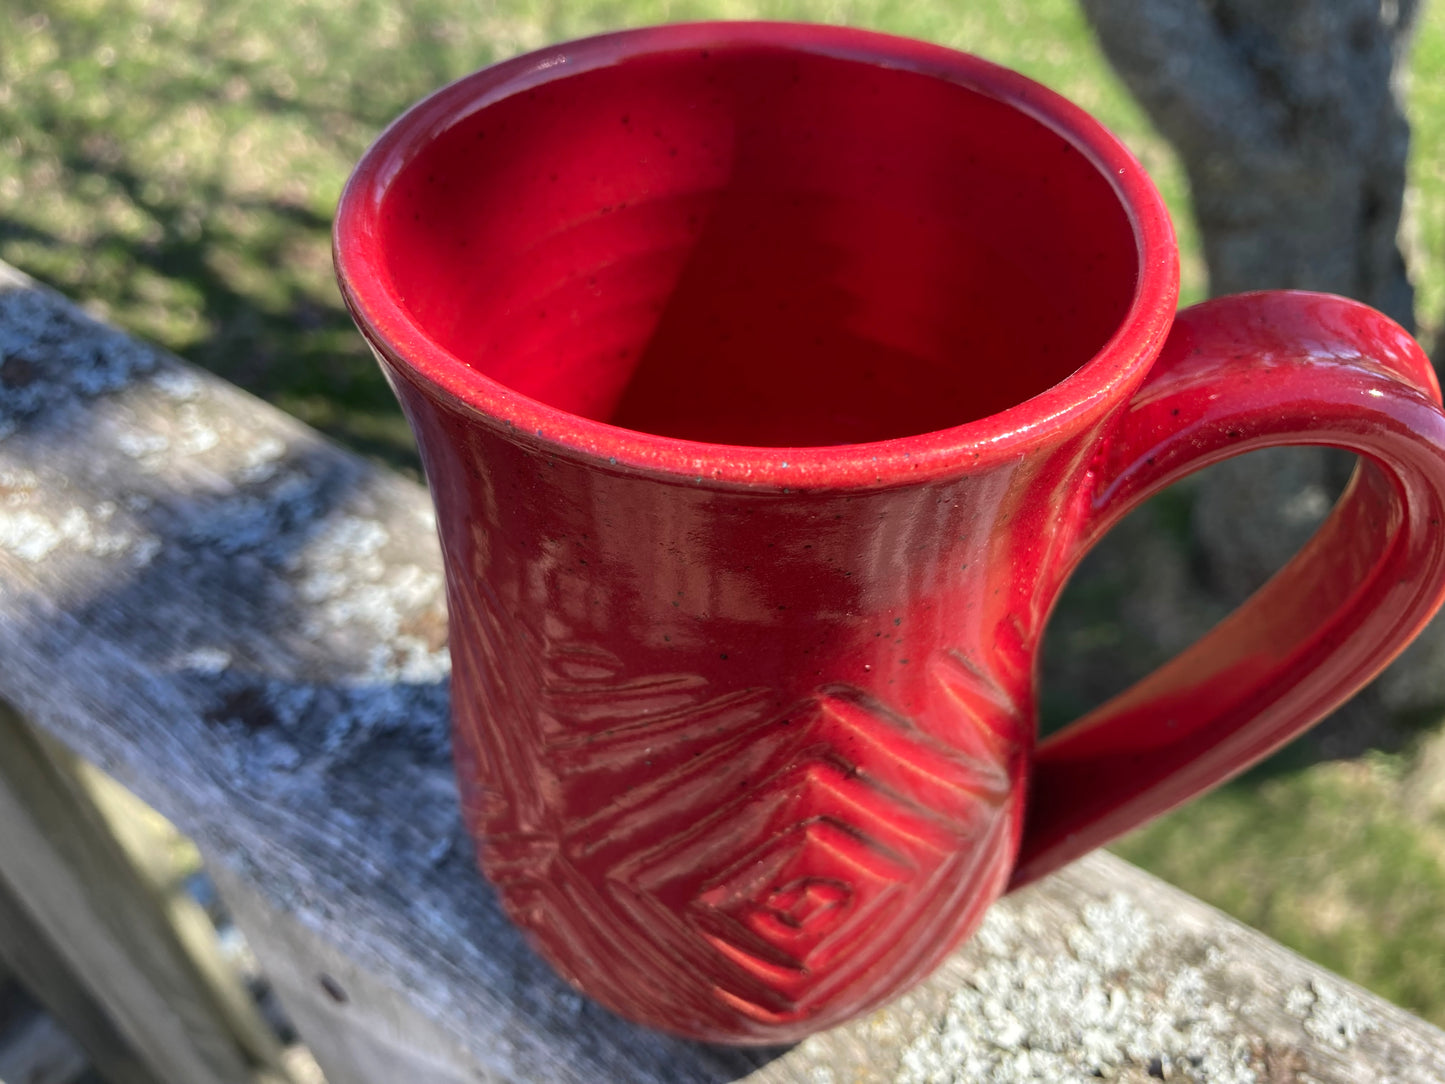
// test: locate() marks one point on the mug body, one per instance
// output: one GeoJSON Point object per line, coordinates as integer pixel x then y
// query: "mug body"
{"type": "Point", "coordinates": [757, 370]}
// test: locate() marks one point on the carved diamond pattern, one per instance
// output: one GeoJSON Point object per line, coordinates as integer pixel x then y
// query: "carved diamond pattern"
{"type": "Point", "coordinates": [777, 913]}
{"type": "Point", "coordinates": [731, 859]}
{"type": "Point", "coordinates": [841, 815]}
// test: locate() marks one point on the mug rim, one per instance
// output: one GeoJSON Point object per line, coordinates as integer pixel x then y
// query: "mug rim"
{"type": "Point", "coordinates": [1070, 405]}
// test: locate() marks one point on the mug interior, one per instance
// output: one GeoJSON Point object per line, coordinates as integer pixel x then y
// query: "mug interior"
{"type": "Point", "coordinates": [753, 245]}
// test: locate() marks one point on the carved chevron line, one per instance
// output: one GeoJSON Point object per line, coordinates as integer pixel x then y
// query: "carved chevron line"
{"type": "Point", "coordinates": [596, 704]}
{"type": "Point", "coordinates": [908, 943]}
{"type": "Point", "coordinates": [1012, 655]}
{"type": "Point", "coordinates": [710, 720]}
{"type": "Point", "coordinates": [975, 689]}
{"type": "Point", "coordinates": [915, 768]}
{"type": "Point", "coordinates": [974, 713]}
{"type": "Point", "coordinates": [491, 682]}
{"type": "Point", "coordinates": [629, 965]}
{"type": "Point", "coordinates": [726, 753]}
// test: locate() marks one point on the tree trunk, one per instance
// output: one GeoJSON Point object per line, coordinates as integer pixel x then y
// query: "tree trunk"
{"type": "Point", "coordinates": [1289, 121]}
{"type": "Point", "coordinates": [1288, 118]}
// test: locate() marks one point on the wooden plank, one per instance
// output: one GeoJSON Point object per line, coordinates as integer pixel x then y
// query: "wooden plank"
{"type": "Point", "coordinates": [40, 1051]}
{"type": "Point", "coordinates": [356, 1026]}
{"type": "Point", "coordinates": [14, 1000]}
{"type": "Point", "coordinates": [246, 626]}
{"type": "Point", "coordinates": [150, 843]}
{"type": "Point", "coordinates": [84, 896]}
{"type": "Point", "coordinates": [27, 951]}
{"type": "Point", "coordinates": [34, 1048]}
{"type": "Point", "coordinates": [1101, 972]}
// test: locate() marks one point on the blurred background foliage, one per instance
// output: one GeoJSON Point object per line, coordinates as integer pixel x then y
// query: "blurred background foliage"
{"type": "Point", "coordinates": [174, 165]}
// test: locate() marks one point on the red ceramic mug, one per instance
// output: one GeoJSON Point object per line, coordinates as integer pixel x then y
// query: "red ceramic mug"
{"type": "Point", "coordinates": [770, 381]}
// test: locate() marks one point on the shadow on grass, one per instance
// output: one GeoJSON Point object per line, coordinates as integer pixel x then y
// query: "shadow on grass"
{"type": "Point", "coordinates": [233, 276]}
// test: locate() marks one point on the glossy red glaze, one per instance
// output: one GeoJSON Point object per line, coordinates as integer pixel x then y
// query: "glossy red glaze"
{"type": "Point", "coordinates": [770, 380]}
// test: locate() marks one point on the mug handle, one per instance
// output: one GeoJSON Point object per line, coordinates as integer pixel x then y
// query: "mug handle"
{"type": "Point", "coordinates": [1238, 374]}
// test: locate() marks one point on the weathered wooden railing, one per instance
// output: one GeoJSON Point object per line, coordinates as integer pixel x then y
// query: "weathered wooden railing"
{"type": "Point", "coordinates": [245, 625]}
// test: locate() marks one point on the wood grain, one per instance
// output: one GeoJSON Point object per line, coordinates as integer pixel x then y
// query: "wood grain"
{"type": "Point", "coordinates": [245, 624]}
{"type": "Point", "coordinates": [40, 1052]}
{"type": "Point", "coordinates": [72, 883]}
{"type": "Point", "coordinates": [48, 977]}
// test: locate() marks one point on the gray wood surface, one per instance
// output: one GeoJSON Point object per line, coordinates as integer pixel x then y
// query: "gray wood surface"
{"type": "Point", "coordinates": [245, 625]}
{"type": "Point", "coordinates": [26, 952]}
{"type": "Point", "coordinates": [76, 895]}
{"type": "Point", "coordinates": [40, 1052]}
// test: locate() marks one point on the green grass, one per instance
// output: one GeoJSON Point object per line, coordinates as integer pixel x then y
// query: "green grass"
{"type": "Point", "coordinates": [175, 164]}
{"type": "Point", "coordinates": [1326, 860]}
